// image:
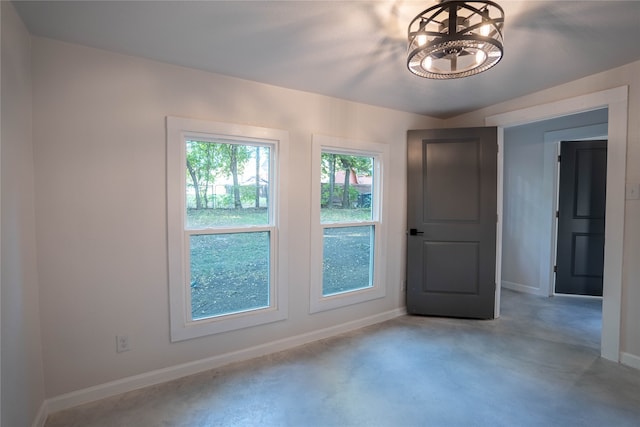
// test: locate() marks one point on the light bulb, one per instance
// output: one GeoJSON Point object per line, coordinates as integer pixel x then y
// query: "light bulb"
{"type": "Point", "coordinates": [484, 30]}
{"type": "Point", "coordinates": [480, 57]}
{"type": "Point", "coordinates": [426, 63]}
{"type": "Point", "coordinates": [421, 39]}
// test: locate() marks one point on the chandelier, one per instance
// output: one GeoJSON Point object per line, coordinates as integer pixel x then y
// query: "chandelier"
{"type": "Point", "coordinates": [455, 39]}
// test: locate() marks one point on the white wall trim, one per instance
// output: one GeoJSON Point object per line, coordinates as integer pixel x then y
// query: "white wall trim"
{"type": "Point", "coordinates": [550, 174]}
{"type": "Point", "coordinates": [578, 104]}
{"type": "Point", "coordinates": [599, 130]}
{"type": "Point", "coordinates": [41, 416]}
{"type": "Point", "coordinates": [630, 360]}
{"type": "Point", "coordinates": [112, 388]}
{"type": "Point", "coordinates": [576, 296]}
{"type": "Point", "coordinates": [616, 100]}
{"type": "Point", "coordinates": [520, 287]}
{"type": "Point", "coordinates": [499, 222]}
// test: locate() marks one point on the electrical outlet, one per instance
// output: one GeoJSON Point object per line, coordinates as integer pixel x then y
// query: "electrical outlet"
{"type": "Point", "coordinates": [122, 343]}
{"type": "Point", "coordinates": [633, 191]}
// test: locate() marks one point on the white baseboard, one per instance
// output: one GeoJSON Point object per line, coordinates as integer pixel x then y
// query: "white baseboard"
{"type": "Point", "coordinates": [90, 394]}
{"type": "Point", "coordinates": [630, 360]}
{"type": "Point", "coordinates": [41, 416]}
{"type": "Point", "coordinates": [520, 287]}
{"type": "Point", "coordinates": [576, 296]}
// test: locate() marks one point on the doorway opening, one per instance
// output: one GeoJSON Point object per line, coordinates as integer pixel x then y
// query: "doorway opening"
{"type": "Point", "coordinates": [615, 100]}
{"type": "Point", "coordinates": [531, 197]}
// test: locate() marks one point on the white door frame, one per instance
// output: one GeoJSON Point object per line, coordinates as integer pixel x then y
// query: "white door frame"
{"type": "Point", "coordinates": [616, 102]}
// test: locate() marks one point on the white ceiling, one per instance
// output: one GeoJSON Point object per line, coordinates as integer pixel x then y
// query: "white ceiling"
{"type": "Point", "coordinates": [354, 50]}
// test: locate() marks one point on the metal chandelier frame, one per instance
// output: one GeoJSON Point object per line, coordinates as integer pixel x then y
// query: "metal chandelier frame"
{"type": "Point", "coordinates": [456, 39]}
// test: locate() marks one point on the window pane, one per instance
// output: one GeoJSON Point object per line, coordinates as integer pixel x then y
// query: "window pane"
{"type": "Point", "coordinates": [347, 184]}
{"type": "Point", "coordinates": [229, 273]}
{"type": "Point", "coordinates": [347, 259]}
{"type": "Point", "coordinates": [227, 184]}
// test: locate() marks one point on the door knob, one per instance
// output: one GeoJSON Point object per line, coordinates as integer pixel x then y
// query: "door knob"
{"type": "Point", "coordinates": [414, 232]}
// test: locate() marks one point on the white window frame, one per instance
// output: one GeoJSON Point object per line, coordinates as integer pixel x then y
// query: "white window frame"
{"type": "Point", "coordinates": [380, 153]}
{"type": "Point", "coordinates": [179, 130]}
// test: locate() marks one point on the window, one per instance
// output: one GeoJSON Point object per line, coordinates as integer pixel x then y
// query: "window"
{"type": "Point", "coordinates": [227, 254]}
{"type": "Point", "coordinates": [349, 234]}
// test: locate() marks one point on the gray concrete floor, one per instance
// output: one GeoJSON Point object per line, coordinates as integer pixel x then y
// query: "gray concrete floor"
{"type": "Point", "coordinates": [538, 365]}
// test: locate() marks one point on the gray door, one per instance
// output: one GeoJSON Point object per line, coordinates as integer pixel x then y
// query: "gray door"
{"type": "Point", "coordinates": [581, 208]}
{"type": "Point", "coordinates": [451, 217]}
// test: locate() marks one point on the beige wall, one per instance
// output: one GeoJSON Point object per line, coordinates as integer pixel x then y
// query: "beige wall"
{"type": "Point", "coordinates": [99, 136]}
{"type": "Point", "coordinates": [22, 379]}
{"type": "Point", "coordinates": [628, 75]}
